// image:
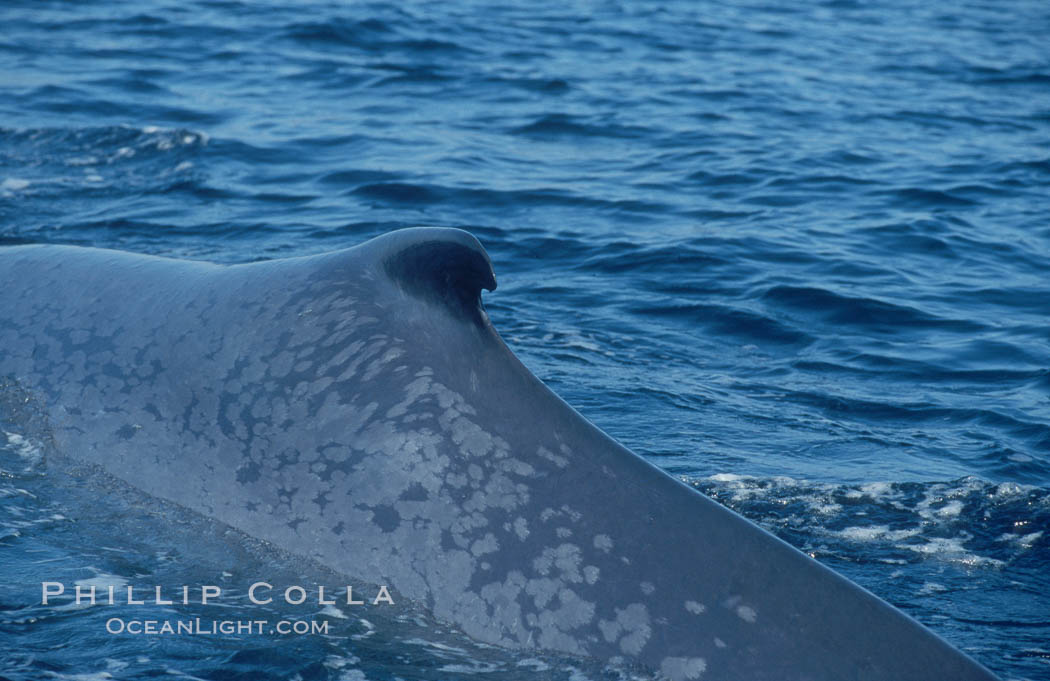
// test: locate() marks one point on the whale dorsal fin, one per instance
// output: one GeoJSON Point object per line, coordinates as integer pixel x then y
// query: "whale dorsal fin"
{"type": "Point", "coordinates": [443, 266]}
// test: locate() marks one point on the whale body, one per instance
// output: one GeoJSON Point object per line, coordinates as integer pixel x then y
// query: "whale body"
{"type": "Point", "coordinates": [359, 408]}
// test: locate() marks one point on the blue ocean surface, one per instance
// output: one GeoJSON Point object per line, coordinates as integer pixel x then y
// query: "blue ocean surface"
{"type": "Point", "coordinates": [795, 253]}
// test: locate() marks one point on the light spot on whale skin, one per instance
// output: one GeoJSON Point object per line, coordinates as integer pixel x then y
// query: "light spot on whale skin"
{"type": "Point", "coordinates": [566, 558]}
{"type": "Point", "coordinates": [603, 542]}
{"type": "Point", "coordinates": [744, 612]}
{"type": "Point", "coordinates": [413, 392]}
{"type": "Point", "coordinates": [719, 643]}
{"type": "Point", "coordinates": [502, 598]}
{"type": "Point", "coordinates": [747, 613]}
{"type": "Point", "coordinates": [574, 611]}
{"type": "Point", "coordinates": [471, 439]}
{"type": "Point", "coordinates": [542, 591]}
{"type": "Point", "coordinates": [559, 461]}
{"type": "Point", "coordinates": [590, 574]}
{"type": "Point", "coordinates": [694, 607]}
{"type": "Point", "coordinates": [573, 514]}
{"type": "Point", "coordinates": [488, 544]}
{"type": "Point", "coordinates": [682, 668]}
{"type": "Point", "coordinates": [631, 627]}
{"type": "Point", "coordinates": [647, 588]}
{"type": "Point", "coordinates": [281, 365]}
{"type": "Point", "coordinates": [379, 363]}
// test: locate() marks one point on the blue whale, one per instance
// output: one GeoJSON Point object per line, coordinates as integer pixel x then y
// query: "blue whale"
{"type": "Point", "coordinates": [359, 408]}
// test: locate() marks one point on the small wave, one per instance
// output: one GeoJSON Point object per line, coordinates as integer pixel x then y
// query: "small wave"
{"type": "Point", "coordinates": [134, 85]}
{"type": "Point", "coordinates": [338, 32]}
{"type": "Point", "coordinates": [411, 73]}
{"type": "Point", "coordinates": [850, 158]}
{"type": "Point", "coordinates": [357, 178]}
{"type": "Point", "coordinates": [554, 126]}
{"type": "Point", "coordinates": [713, 179]}
{"type": "Point", "coordinates": [915, 197]}
{"type": "Point", "coordinates": [406, 193]}
{"type": "Point", "coordinates": [723, 320]}
{"type": "Point", "coordinates": [75, 146]}
{"type": "Point", "coordinates": [1035, 78]}
{"type": "Point", "coordinates": [553, 86]}
{"type": "Point", "coordinates": [619, 256]}
{"type": "Point", "coordinates": [860, 312]}
{"type": "Point", "coordinates": [821, 182]}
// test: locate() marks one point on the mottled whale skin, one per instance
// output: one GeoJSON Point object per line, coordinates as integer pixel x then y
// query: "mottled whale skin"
{"type": "Point", "coordinates": [358, 407]}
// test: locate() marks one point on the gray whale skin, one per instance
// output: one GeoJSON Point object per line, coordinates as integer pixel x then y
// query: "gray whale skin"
{"type": "Point", "coordinates": [359, 408]}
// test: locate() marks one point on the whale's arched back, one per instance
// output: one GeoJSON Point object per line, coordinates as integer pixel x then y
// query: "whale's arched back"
{"type": "Point", "coordinates": [358, 407]}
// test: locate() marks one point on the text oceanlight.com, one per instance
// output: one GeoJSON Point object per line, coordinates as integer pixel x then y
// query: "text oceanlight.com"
{"type": "Point", "coordinates": [200, 627]}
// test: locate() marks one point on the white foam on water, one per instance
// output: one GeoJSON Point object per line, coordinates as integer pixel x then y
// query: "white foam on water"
{"type": "Point", "coordinates": [1022, 541]}
{"type": "Point", "coordinates": [534, 664]}
{"type": "Point", "coordinates": [951, 550]}
{"type": "Point", "coordinates": [877, 490]}
{"type": "Point", "coordinates": [825, 508]}
{"type": "Point", "coordinates": [23, 448]}
{"type": "Point", "coordinates": [102, 581]}
{"type": "Point", "coordinates": [344, 666]}
{"type": "Point", "coordinates": [351, 675]}
{"type": "Point", "coordinates": [340, 661]}
{"type": "Point", "coordinates": [332, 611]}
{"type": "Point", "coordinates": [880, 533]}
{"type": "Point", "coordinates": [475, 668]}
{"type": "Point", "coordinates": [27, 460]}
{"type": "Point", "coordinates": [1011, 489]}
{"type": "Point", "coordinates": [435, 645]}
{"type": "Point", "coordinates": [179, 674]}
{"type": "Point", "coordinates": [950, 510]}
{"type": "Point", "coordinates": [935, 515]}
{"type": "Point", "coordinates": [14, 184]}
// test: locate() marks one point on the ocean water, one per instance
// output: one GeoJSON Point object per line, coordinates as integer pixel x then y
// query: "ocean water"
{"type": "Point", "coordinates": [795, 253]}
